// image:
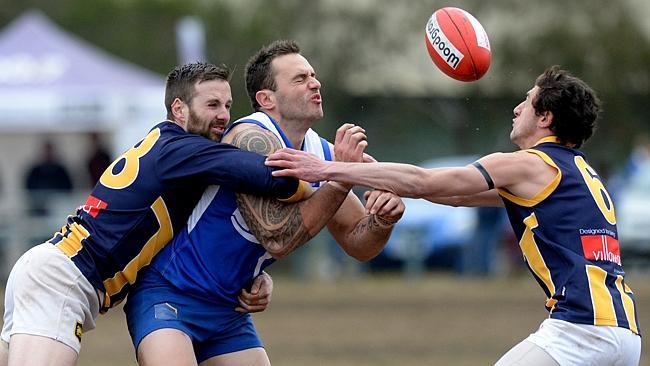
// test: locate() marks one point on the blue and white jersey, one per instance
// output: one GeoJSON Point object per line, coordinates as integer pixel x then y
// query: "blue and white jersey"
{"type": "Point", "coordinates": [217, 255]}
{"type": "Point", "coordinates": [312, 142]}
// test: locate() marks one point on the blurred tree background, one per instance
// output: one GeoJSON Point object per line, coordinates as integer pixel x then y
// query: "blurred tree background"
{"type": "Point", "coordinates": [372, 62]}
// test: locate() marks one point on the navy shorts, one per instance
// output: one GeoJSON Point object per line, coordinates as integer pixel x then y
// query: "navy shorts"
{"type": "Point", "coordinates": [213, 328]}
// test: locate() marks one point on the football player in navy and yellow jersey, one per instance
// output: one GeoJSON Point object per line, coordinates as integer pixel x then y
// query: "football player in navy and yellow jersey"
{"type": "Point", "coordinates": [56, 290]}
{"type": "Point", "coordinates": [560, 211]}
{"type": "Point", "coordinates": [183, 308]}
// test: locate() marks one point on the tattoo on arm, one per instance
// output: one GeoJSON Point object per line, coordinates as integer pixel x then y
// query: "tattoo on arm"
{"type": "Point", "coordinates": [278, 226]}
{"type": "Point", "coordinates": [256, 140]}
{"type": "Point", "coordinates": [371, 223]}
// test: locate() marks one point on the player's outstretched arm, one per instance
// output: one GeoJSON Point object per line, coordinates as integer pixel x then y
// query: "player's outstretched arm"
{"type": "Point", "coordinates": [282, 227]}
{"type": "Point", "coordinates": [522, 173]}
{"type": "Point", "coordinates": [402, 179]}
{"type": "Point", "coordinates": [484, 199]}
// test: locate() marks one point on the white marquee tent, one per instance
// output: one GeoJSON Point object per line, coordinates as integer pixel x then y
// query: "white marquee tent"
{"type": "Point", "coordinates": [55, 84]}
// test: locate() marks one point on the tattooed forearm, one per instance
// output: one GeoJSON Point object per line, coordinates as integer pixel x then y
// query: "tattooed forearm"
{"type": "Point", "coordinates": [257, 140]}
{"type": "Point", "coordinates": [278, 226]}
{"type": "Point", "coordinates": [383, 222]}
{"type": "Point", "coordinates": [371, 223]}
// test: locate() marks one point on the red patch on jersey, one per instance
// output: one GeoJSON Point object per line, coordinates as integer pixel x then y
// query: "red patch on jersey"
{"type": "Point", "coordinates": [601, 248]}
{"type": "Point", "coordinates": [93, 205]}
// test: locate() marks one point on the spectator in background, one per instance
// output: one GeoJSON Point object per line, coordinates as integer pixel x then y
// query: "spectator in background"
{"type": "Point", "coordinates": [46, 177]}
{"type": "Point", "coordinates": [98, 160]}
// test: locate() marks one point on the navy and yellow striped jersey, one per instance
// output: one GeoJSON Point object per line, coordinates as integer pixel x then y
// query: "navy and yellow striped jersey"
{"type": "Point", "coordinates": [146, 196]}
{"type": "Point", "coordinates": [567, 234]}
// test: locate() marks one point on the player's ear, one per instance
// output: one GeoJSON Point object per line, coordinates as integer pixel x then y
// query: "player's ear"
{"type": "Point", "coordinates": [546, 120]}
{"type": "Point", "coordinates": [179, 111]}
{"type": "Point", "coordinates": [265, 98]}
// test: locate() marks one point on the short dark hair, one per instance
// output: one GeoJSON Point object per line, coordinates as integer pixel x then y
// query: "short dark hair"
{"type": "Point", "coordinates": [574, 105]}
{"type": "Point", "coordinates": [181, 81]}
{"type": "Point", "coordinates": [258, 69]}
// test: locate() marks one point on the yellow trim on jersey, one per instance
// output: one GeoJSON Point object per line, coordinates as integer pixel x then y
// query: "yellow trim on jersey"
{"type": "Point", "coordinates": [545, 192]}
{"type": "Point", "coordinates": [550, 303]}
{"type": "Point", "coordinates": [601, 299]}
{"type": "Point", "coordinates": [71, 244]}
{"type": "Point", "coordinates": [628, 304]}
{"type": "Point", "coordinates": [534, 257]}
{"type": "Point", "coordinates": [300, 193]}
{"type": "Point", "coordinates": [164, 234]}
{"type": "Point", "coordinates": [554, 139]}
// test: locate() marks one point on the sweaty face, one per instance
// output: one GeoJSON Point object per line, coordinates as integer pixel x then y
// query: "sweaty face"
{"type": "Point", "coordinates": [524, 124]}
{"type": "Point", "coordinates": [209, 110]}
{"type": "Point", "coordinates": [297, 89]}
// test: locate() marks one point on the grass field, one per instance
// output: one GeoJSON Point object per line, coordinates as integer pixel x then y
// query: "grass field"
{"type": "Point", "coordinates": [438, 320]}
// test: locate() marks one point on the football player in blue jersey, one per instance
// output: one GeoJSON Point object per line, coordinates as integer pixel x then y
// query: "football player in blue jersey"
{"type": "Point", "coordinates": [560, 211]}
{"type": "Point", "coordinates": [56, 290]}
{"type": "Point", "coordinates": [182, 310]}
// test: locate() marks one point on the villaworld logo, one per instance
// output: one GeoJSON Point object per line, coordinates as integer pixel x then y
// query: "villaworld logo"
{"type": "Point", "coordinates": [601, 248]}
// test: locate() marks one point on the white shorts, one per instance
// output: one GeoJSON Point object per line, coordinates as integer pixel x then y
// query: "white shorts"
{"type": "Point", "coordinates": [585, 345]}
{"type": "Point", "coordinates": [47, 296]}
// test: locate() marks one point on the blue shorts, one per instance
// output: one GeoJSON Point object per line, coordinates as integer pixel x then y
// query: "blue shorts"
{"type": "Point", "coordinates": [214, 329]}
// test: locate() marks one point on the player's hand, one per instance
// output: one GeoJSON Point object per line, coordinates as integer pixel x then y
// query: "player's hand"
{"type": "Point", "coordinates": [367, 158]}
{"type": "Point", "coordinates": [350, 143]}
{"type": "Point", "coordinates": [298, 164]}
{"type": "Point", "coordinates": [259, 297]}
{"type": "Point", "coordinates": [387, 206]}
